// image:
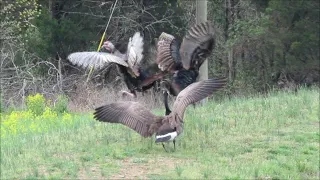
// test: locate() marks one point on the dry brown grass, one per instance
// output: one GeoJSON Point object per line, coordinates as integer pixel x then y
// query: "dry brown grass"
{"type": "Point", "coordinates": [87, 97]}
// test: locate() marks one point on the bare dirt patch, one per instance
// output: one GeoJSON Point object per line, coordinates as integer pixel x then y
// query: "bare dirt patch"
{"type": "Point", "coordinates": [91, 173]}
{"type": "Point", "coordinates": [137, 170]}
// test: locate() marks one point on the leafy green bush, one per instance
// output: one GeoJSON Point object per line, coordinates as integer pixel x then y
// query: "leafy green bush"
{"type": "Point", "coordinates": [40, 116]}
{"type": "Point", "coordinates": [2, 108]}
{"type": "Point", "coordinates": [26, 121]}
{"type": "Point", "coordinates": [36, 104]}
{"type": "Point", "coordinates": [61, 106]}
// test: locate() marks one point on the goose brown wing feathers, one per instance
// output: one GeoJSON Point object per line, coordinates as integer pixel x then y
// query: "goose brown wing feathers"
{"type": "Point", "coordinates": [197, 45]}
{"type": "Point", "coordinates": [94, 59]}
{"type": "Point", "coordinates": [196, 92]}
{"type": "Point", "coordinates": [131, 114]}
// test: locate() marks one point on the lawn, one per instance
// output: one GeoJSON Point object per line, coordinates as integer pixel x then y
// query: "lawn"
{"type": "Point", "coordinates": [272, 136]}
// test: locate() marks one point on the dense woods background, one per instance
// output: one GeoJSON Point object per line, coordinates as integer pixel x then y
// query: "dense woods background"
{"type": "Point", "coordinates": [260, 45]}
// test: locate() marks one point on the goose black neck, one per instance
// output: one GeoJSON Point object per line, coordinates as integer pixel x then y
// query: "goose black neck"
{"type": "Point", "coordinates": [166, 104]}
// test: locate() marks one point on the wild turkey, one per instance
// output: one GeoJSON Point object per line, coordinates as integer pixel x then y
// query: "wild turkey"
{"type": "Point", "coordinates": [135, 116]}
{"type": "Point", "coordinates": [127, 57]}
{"type": "Point", "coordinates": [182, 62]}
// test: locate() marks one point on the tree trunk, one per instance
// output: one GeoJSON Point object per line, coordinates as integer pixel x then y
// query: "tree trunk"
{"type": "Point", "coordinates": [231, 66]}
{"type": "Point", "coordinates": [264, 70]}
{"type": "Point", "coordinates": [201, 16]}
{"type": "Point", "coordinates": [230, 14]}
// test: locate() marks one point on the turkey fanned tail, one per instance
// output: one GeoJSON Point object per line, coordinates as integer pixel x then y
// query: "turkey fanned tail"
{"type": "Point", "coordinates": [168, 57]}
{"type": "Point", "coordinates": [135, 50]}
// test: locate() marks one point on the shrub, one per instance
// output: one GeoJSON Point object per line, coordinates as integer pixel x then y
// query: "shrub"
{"type": "Point", "coordinates": [39, 117]}
{"type": "Point", "coordinates": [24, 122]}
{"type": "Point", "coordinates": [61, 106]}
{"type": "Point", "coordinates": [2, 109]}
{"type": "Point", "coordinates": [36, 104]}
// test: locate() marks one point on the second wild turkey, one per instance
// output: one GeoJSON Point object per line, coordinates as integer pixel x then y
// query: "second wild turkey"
{"type": "Point", "coordinates": [128, 59]}
{"type": "Point", "coordinates": [183, 61]}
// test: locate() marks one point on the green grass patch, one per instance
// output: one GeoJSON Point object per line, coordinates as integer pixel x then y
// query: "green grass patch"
{"type": "Point", "coordinates": [263, 137]}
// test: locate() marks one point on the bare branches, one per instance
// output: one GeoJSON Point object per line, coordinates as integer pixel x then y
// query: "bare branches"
{"type": "Point", "coordinates": [24, 73]}
{"type": "Point", "coordinates": [19, 74]}
{"type": "Point", "coordinates": [85, 14]}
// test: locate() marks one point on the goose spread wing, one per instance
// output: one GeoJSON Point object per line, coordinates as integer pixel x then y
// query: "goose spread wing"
{"type": "Point", "coordinates": [135, 50]}
{"type": "Point", "coordinates": [168, 52]}
{"type": "Point", "coordinates": [131, 114]}
{"type": "Point", "coordinates": [196, 92]}
{"type": "Point", "coordinates": [197, 45]}
{"type": "Point", "coordinates": [93, 59]}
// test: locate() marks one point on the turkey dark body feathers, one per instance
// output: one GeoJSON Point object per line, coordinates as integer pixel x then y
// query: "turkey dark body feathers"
{"type": "Point", "coordinates": [201, 53]}
{"type": "Point", "coordinates": [134, 83]}
{"type": "Point", "coordinates": [122, 47]}
{"type": "Point", "coordinates": [184, 78]}
{"type": "Point", "coordinates": [179, 81]}
{"type": "Point", "coordinates": [184, 59]}
{"type": "Point", "coordinates": [175, 47]}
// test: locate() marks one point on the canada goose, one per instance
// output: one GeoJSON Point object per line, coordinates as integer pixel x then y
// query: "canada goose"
{"type": "Point", "coordinates": [184, 60]}
{"type": "Point", "coordinates": [128, 58]}
{"type": "Point", "coordinates": [167, 128]}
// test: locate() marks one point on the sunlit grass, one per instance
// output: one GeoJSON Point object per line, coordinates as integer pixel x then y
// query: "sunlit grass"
{"type": "Point", "coordinates": [274, 136]}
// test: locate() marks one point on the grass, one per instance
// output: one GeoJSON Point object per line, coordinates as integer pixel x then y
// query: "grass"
{"type": "Point", "coordinates": [261, 137]}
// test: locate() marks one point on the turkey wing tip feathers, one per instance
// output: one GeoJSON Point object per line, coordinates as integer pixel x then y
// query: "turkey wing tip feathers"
{"type": "Point", "coordinates": [137, 33]}
{"type": "Point", "coordinates": [70, 56]}
{"type": "Point", "coordinates": [137, 36]}
{"type": "Point", "coordinates": [165, 36]}
{"type": "Point", "coordinates": [207, 28]}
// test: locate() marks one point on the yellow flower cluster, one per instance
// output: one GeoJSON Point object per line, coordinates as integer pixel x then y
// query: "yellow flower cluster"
{"type": "Point", "coordinates": [21, 11]}
{"type": "Point", "coordinates": [36, 103]}
{"type": "Point", "coordinates": [34, 119]}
